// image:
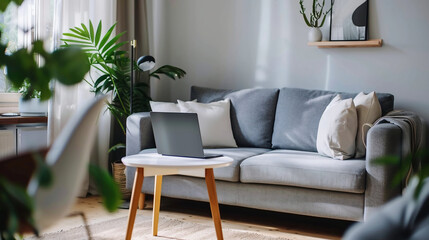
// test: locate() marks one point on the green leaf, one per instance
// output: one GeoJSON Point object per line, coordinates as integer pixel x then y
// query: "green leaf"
{"type": "Point", "coordinates": [19, 65]}
{"type": "Point", "coordinates": [111, 42]}
{"type": "Point", "coordinates": [98, 33]}
{"type": "Point", "coordinates": [106, 36]}
{"type": "Point", "coordinates": [43, 172]}
{"type": "Point", "coordinates": [5, 3]}
{"type": "Point", "coordinates": [91, 31]}
{"type": "Point", "coordinates": [13, 222]}
{"type": "Point", "coordinates": [77, 41]}
{"type": "Point", "coordinates": [101, 79]}
{"type": "Point", "coordinates": [114, 48]}
{"type": "Point", "coordinates": [116, 147]}
{"type": "Point", "coordinates": [85, 31]}
{"type": "Point", "coordinates": [80, 32]}
{"type": "Point", "coordinates": [387, 160]}
{"type": "Point", "coordinates": [75, 36]}
{"type": "Point", "coordinates": [155, 76]}
{"type": "Point", "coordinates": [106, 187]}
{"type": "Point", "coordinates": [68, 72]}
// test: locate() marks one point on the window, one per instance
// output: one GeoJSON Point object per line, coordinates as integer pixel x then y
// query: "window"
{"type": "Point", "coordinates": [22, 25]}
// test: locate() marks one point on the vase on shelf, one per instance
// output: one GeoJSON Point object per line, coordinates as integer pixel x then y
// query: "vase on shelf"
{"type": "Point", "coordinates": [314, 35]}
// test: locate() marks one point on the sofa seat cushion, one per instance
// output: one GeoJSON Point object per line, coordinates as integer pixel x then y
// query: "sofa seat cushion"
{"type": "Point", "coordinates": [304, 169]}
{"type": "Point", "coordinates": [252, 112]}
{"type": "Point", "coordinates": [230, 173]}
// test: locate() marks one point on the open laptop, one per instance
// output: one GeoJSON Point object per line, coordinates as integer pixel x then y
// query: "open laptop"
{"type": "Point", "coordinates": [178, 134]}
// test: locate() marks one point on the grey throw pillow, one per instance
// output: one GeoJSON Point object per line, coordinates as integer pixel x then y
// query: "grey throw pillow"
{"type": "Point", "coordinates": [299, 112]}
{"type": "Point", "coordinates": [252, 112]}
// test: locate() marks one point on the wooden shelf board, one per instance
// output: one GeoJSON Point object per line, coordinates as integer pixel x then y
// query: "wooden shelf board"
{"type": "Point", "coordinates": [347, 44]}
{"type": "Point", "coordinates": [19, 120]}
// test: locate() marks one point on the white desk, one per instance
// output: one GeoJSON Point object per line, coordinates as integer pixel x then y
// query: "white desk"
{"type": "Point", "coordinates": [153, 164]}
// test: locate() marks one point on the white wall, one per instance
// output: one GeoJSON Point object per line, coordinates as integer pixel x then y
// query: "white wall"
{"type": "Point", "coordinates": [237, 44]}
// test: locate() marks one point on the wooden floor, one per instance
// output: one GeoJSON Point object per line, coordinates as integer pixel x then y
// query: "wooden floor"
{"type": "Point", "coordinates": [271, 223]}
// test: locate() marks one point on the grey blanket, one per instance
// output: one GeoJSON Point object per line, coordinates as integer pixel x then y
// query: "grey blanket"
{"type": "Point", "coordinates": [412, 133]}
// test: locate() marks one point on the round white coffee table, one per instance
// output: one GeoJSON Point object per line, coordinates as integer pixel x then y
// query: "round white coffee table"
{"type": "Point", "coordinates": [153, 164]}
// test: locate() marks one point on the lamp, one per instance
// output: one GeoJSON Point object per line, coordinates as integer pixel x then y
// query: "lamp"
{"type": "Point", "coordinates": [144, 63]}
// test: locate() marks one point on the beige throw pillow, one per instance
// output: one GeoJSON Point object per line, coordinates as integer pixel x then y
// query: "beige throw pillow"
{"type": "Point", "coordinates": [214, 120]}
{"type": "Point", "coordinates": [368, 110]}
{"type": "Point", "coordinates": [337, 129]}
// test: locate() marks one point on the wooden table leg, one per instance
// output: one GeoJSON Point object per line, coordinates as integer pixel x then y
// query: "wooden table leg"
{"type": "Point", "coordinates": [156, 204]}
{"type": "Point", "coordinates": [141, 200]}
{"type": "Point", "coordinates": [137, 188]}
{"type": "Point", "coordinates": [214, 206]}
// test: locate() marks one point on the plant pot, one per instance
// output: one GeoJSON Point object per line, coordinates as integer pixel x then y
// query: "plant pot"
{"type": "Point", "coordinates": [118, 172]}
{"type": "Point", "coordinates": [314, 35]}
{"type": "Point", "coordinates": [33, 107]}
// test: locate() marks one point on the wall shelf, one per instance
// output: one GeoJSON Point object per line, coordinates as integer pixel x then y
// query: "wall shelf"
{"type": "Point", "coordinates": [347, 44]}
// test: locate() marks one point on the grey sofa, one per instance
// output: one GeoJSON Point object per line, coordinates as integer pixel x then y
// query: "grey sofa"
{"type": "Point", "coordinates": [276, 165]}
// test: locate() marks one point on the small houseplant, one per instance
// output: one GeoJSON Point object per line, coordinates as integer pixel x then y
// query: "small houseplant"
{"type": "Point", "coordinates": [30, 103]}
{"type": "Point", "coordinates": [113, 66]}
{"type": "Point", "coordinates": [316, 20]}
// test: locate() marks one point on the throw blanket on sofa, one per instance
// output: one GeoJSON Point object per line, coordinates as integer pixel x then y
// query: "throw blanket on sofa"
{"type": "Point", "coordinates": [412, 132]}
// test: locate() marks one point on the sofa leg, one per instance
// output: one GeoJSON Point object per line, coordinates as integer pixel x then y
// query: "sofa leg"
{"type": "Point", "coordinates": [141, 201]}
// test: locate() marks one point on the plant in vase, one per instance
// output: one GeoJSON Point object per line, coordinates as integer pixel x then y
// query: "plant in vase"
{"type": "Point", "coordinates": [112, 67]}
{"type": "Point", "coordinates": [316, 20]}
{"type": "Point", "coordinates": [30, 103]}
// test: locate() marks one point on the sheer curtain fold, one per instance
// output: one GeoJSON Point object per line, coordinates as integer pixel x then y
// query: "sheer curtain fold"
{"type": "Point", "coordinates": [68, 99]}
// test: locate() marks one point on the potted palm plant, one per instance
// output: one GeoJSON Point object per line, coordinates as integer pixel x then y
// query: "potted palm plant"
{"type": "Point", "coordinates": [113, 67]}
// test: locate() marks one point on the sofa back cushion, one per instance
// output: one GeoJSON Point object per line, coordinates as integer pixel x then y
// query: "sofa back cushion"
{"type": "Point", "coordinates": [252, 112]}
{"type": "Point", "coordinates": [298, 114]}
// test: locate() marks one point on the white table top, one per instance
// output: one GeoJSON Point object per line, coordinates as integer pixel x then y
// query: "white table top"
{"type": "Point", "coordinates": [158, 161]}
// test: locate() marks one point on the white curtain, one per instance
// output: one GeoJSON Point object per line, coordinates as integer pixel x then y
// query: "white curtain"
{"type": "Point", "coordinates": [66, 100]}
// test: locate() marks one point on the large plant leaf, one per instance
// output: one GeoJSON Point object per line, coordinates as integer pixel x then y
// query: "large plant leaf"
{"type": "Point", "coordinates": [106, 36]}
{"type": "Point", "coordinates": [65, 71]}
{"type": "Point", "coordinates": [107, 188]}
{"type": "Point", "coordinates": [98, 33]}
{"type": "Point", "coordinates": [170, 71]}
{"type": "Point", "coordinates": [5, 3]}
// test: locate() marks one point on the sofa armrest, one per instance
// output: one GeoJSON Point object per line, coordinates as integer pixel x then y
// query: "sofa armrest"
{"type": "Point", "coordinates": [382, 140]}
{"type": "Point", "coordinates": [139, 133]}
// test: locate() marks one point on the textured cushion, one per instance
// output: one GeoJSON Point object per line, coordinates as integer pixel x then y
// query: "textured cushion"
{"type": "Point", "coordinates": [298, 114]}
{"type": "Point", "coordinates": [304, 169]}
{"type": "Point", "coordinates": [368, 109]}
{"type": "Point", "coordinates": [252, 113]}
{"type": "Point", "coordinates": [214, 120]}
{"type": "Point", "coordinates": [230, 173]}
{"type": "Point", "coordinates": [336, 135]}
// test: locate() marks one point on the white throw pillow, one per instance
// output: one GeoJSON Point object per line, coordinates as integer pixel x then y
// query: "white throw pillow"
{"type": "Point", "coordinates": [214, 120]}
{"type": "Point", "coordinates": [337, 129]}
{"type": "Point", "coordinates": [368, 110]}
{"type": "Point", "coordinates": [165, 106]}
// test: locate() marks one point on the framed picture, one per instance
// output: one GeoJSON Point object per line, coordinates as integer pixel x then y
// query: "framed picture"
{"type": "Point", "coordinates": [349, 20]}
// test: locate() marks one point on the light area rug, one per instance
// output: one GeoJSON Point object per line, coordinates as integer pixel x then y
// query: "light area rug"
{"type": "Point", "coordinates": [169, 228]}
